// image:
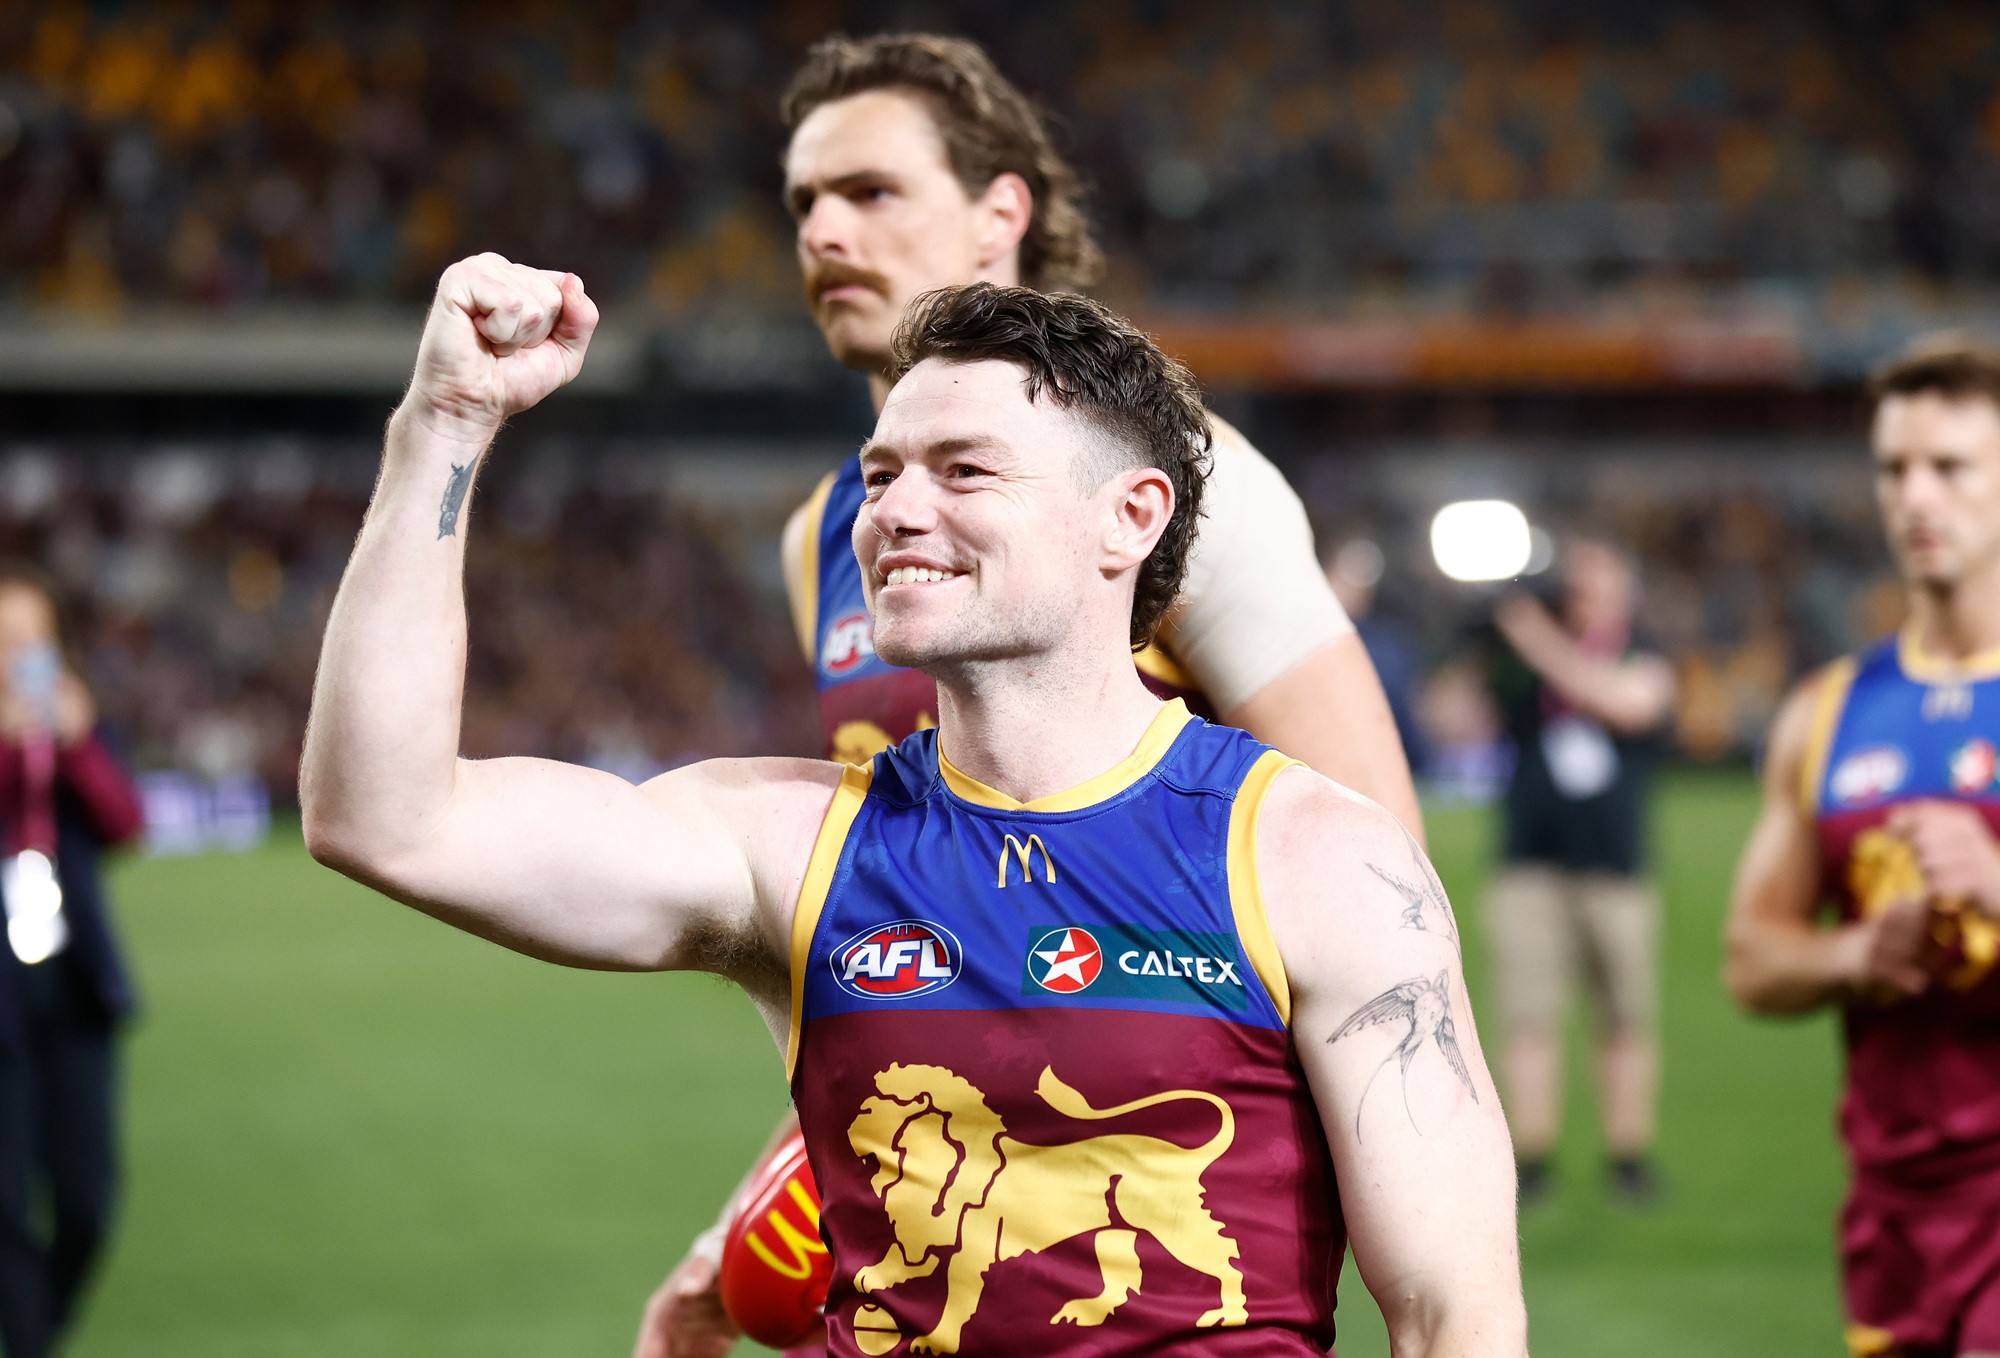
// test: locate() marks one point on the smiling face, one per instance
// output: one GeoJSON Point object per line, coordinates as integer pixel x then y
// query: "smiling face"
{"type": "Point", "coordinates": [882, 218]}
{"type": "Point", "coordinates": [1937, 479]}
{"type": "Point", "coordinates": [981, 538]}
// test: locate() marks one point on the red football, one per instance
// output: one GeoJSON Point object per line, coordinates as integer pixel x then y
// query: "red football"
{"type": "Point", "coordinates": [775, 1268]}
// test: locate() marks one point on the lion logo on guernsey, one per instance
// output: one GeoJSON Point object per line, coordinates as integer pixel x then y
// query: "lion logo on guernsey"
{"type": "Point", "coordinates": [898, 961]}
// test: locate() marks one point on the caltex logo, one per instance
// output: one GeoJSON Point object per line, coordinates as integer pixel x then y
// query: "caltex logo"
{"type": "Point", "coordinates": [1972, 766]}
{"type": "Point", "coordinates": [848, 642]}
{"type": "Point", "coordinates": [1065, 960]}
{"type": "Point", "coordinates": [898, 961]}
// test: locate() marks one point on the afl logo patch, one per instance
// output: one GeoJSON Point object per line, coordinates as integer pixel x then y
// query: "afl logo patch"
{"type": "Point", "coordinates": [1065, 960]}
{"type": "Point", "coordinates": [898, 961]}
{"type": "Point", "coordinates": [1973, 765]}
{"type": "Point", "coordinates": [1869, 775]}
{"type": "Point", "coordinates": [848, 642]}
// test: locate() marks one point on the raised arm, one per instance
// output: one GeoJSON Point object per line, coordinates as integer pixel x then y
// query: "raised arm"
{"type": "Point", "coordinates": [1780, 960]}
{"type": "Point", "coordinates": [561, 862]}
{"type": "Point", "coordinates": [1382, 1025]}
{"type": "Point", "coordinates": [1631, 695]}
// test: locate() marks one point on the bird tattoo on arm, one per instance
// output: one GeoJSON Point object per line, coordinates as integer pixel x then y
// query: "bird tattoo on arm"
{"type": "Point", "coordinates": [1425, 890]}
{"type": "Point", "coordinates": [1423, 1002]}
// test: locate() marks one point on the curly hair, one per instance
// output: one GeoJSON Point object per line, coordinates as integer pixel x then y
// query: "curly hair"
{"type": "Point", "coordinates": [1088, 360]}
{"type": "Point", "coordinates": [989, 128]}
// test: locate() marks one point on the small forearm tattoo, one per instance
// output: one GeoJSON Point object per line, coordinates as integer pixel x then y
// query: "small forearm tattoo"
{"type": "Point", "coordinates": [1423, 1002]}
{"type": "Point", "coordinates": [1421, 889]}
{"type": "Point", "coordinates": [454, 497]}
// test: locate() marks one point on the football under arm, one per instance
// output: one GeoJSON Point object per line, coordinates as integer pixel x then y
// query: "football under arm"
{"type": "Point", "coordinates": [1383, 1027]}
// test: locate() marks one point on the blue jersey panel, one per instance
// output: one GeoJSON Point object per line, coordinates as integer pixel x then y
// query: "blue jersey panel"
{"type": "Point", "coordinates": [943, 903]}
{"type": "Point", "coordinates": [1899, 738]}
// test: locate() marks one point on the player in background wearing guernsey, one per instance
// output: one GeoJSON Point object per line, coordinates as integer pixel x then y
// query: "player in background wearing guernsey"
{"type": "Point", "coordinates": [999, 1178]}
{"type": "Point", "coordinates": [1881, 808]}
{"type": "Point", "coordinates": [915, 164]}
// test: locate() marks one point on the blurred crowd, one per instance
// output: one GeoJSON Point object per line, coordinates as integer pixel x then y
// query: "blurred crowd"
{"type": "Point", "coordinates": [1527, 155]}
{"type": "Point", "coordinates": [610, 623]}
{"type": "Point", "coordinates": [619, 621]}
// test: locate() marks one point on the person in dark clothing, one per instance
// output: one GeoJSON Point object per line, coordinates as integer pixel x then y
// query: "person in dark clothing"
{"type": "Point", "coordinates": [1583, 702]}
{"type": "Point", "coordinates": [63, 989]}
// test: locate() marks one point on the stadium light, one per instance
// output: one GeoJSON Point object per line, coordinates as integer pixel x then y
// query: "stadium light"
{"type": "Point", "coordinates": [1481, 540]}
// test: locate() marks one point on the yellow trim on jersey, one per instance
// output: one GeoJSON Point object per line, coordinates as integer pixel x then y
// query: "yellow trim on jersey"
{"type": "Point", "coordinates": [805, 590]}
{"type": "Point", "coordinates": [1828, 704]}
{"type": "Point", "coordinates": [1869, 1341]}
{"type": "Point", "coordinates": [840, 814]}
{"type": "Point", "coordinates": [1129, 770]}
{"type": "Point", "coordinates": [1926, 668]}
{"type": "Point", "coordinates": [1246, 893]}
{"type": "Point", "coordinates": [1157, 664]}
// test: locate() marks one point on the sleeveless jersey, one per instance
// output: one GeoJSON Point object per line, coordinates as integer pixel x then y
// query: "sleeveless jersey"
{"type": "Point", "coordinates": [865, 703]}
{"type": "Point", "coordinates": [1921, 1109]}
{"type": "Point", "coordinates": [1041, 1057]}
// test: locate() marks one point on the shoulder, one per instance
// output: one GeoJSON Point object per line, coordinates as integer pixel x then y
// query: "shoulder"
{"type": "Point", "coordinates": [1812, 704]}
{"type": "Point", "coordinates": [1318, 830]}
{"type": "Point", "coordinates": [772, 806]}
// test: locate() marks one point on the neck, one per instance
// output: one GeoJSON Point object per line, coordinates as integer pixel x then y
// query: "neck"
{"type": "Point", "coordinates": [1956, 622]}
{"type": "Point", "coordinates": [1035, 727]}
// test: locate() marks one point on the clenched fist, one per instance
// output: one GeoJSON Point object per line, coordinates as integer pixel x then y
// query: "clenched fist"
{"type": "Point", "coordinates": [499, 338]}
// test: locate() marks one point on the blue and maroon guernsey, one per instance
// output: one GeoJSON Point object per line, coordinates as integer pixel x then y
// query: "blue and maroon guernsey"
{"type": "Point", "coordinates": [1921, 1108]}
{"type": "Point", "coordinates": [1041, 1057]}
{"type": "Point", "coordinates": [866, 704]}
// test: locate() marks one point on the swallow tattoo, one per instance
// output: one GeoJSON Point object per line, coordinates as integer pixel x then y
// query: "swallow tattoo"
{"type": "Point", "coordinates": [1426, 890]}
{"type": "Point", "coordinates": [1425, 1004]}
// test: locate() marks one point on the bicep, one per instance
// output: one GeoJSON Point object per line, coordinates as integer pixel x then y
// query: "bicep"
{"type": "Point", "coordinates": [1386, 1036]}
{"type": "Point", "coordinates": [1778, 876]}
{"type": "Point", "coordinates": [578, 866]}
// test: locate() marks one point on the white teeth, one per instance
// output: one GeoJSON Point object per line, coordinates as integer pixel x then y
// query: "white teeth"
{"type": "Point", "coordinates": [913, 575]}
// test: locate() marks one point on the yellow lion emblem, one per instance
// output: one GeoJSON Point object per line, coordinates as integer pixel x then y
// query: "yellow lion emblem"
{"type": "Point", "coordinates": [960, 1191]}
{"type": "Point", "coordinates": [1882, 869]}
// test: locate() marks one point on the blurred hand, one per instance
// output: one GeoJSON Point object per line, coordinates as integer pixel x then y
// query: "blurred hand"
{"type": "Point", "coordinates": [1955, 850]}
{"type": "Point", "coordinates": [684, 1318]}
{"type": "Point", "coordinates": [75, 711]}
{"type": "Point", "coordinates": [1894, 954]}
{"type": "Point", "coordinates": [499, 338]}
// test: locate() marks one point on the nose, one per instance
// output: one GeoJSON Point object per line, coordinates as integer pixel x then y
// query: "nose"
{"type": "Point", "coordinates": [905, 508]}
{"type": "Point", "coordinates": [825, 231]}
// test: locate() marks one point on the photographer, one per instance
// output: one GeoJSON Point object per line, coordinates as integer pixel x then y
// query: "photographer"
{"type": "Point", "coordinates": [63, 991]}
{"type": "Point", "coordinates": [1582, 702]}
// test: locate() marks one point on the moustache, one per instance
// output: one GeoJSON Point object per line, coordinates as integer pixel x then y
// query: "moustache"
{"type": "Point", "coordinates": [826, 275]}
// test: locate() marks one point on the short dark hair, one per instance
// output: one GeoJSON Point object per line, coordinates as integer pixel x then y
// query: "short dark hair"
{"type": "Point", "coordinates": [1952, 363]}
{"type": "Point", "coordinates": [1091, 361]}
{"type": "Point", "coordinates": [989, 128]}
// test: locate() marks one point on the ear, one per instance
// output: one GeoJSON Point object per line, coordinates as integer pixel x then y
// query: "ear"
{"type": "Point", "coordinates": [1141, 502]}
{"type": "Point", "coordinates": [1005, 210]}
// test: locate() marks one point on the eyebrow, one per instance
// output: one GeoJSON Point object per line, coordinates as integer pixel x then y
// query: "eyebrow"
{"type": "Point", "coordinates": [964, 443]}
{"type": "Point", "coordinates": [852, 179]}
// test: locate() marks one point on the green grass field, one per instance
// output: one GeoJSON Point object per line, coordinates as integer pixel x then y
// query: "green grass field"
{"type": "Point", "coordinates": [353, 1131]}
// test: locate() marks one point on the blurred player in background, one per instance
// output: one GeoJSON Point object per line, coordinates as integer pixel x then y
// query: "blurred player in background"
{"type": "Point", "coordinates": [914, 165]}
{"type": "Point", "coordinates": [1880, 801]}
{"type": "Point", "coordinates": [63, 990]}
{"type": "Point", "coordinates": [1583, 700]}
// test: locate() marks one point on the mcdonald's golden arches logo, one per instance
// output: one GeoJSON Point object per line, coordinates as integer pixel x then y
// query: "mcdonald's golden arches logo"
{"type": "Point", "coordinates": [1023, 853]}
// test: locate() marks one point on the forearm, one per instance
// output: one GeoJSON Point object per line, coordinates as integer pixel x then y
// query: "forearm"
{"type": "Point", "coordinates": [1622, 697]}
{"type": "Point", "coordinates": [1792, 968]}
{"type": "Point", "coordinates": [381, 748]}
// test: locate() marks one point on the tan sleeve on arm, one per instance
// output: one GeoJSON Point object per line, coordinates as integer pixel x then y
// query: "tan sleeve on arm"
{"type": "Point", "coordinates": [1256, 602]}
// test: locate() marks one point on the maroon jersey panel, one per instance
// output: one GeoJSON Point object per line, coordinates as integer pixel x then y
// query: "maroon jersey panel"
{"type": "Point", "coordinates": [980, 1212]}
